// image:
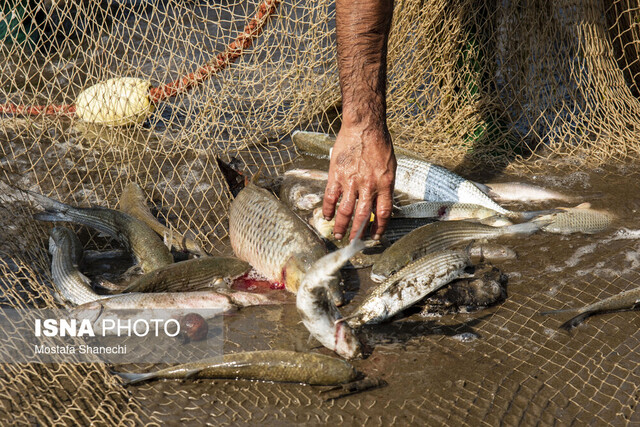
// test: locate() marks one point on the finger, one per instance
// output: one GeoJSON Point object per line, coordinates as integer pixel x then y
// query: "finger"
{"type": "Point", "coordinates": [363, 212]}
{"type": "Point", "coordinates": [331, 196]}
{"type": "Point", "coordinates": [384, 207]}
{"type": "Point", "coordinates": [344, 212]}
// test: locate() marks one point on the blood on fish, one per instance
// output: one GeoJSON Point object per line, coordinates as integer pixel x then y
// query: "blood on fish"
{"type": "Point", "coordinates": [442, 211]}
{"type": "Point", "coordinates": [247, 283]}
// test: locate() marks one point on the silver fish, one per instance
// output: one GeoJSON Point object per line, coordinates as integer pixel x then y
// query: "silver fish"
{"type": "Point", "coordinates": [267, 365]}
{"type": "Point", "coordinates": [581, 219]}
{"type": "Point", "coordinates": [415, 177]}
{"type": "Point", "coordinates": [624, 300]}
{"type": "Point", "coordinates": [422, 180]}
{"type": "Point", "coordinates": [409, 285]}
{"type": "Point", "coordinates": [66, 252]}
{"type": "Point", "coordinates": [133, 202]}
{"type": "Point", "coordinates": [274, 240]}
{"type": "Point", "coordinates": [318, 312]}
{"type": "Point", "coordinates": [396, 228]}
{"type": "Point", "coordinates": [147, 248]}
{"type": "Point", "coordinates": [436, 237]}
{"type": "Point", "coordinates": [521, 192]}
{"type": "Point", "coordinates": [148, 306]}
{"type": "Point", "coordinates": [451, 211]}
{"type": "Point", "coordinates": [192, 275]}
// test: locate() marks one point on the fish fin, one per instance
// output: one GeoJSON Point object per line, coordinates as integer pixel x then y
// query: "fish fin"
{"type": "Point", "coordinates": [575, 321]}
{"type": "Point", "coordinates": [571, 323]}
{"type": "Point", "coordinates": [585, 205]}
{"type": "Point", "coordinates": [346, 319]}
{"type": "Point", "coordinates": [529, 215]}
{"type": "Point", "coordinates": [525, 227]}
{"type": "Point", "coordinates": [233, 176]}
{"type": "Point", "coordinates": [483, 187]}
{"type": "Point", "coordinates": [134, 378]}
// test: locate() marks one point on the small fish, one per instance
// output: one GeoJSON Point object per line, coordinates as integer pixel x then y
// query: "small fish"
{"type": "Point", "coordinates": [422, 180]}
{"type": "Point", "coordinates": [192, 275]}
{"type": "Point", "coordinates": [148, 249]}
{"type": "Point", "coordinates": [66, 252]}
{"type": "Point", "coordinates": [133, 202]}
{"type": "Point", "coordinates": [274, 240]}
{"type": "Point", "coordinates": [626, 300]}
{"type": "Point", "coordinates": [415, 178]}
{"type": "Point", "coordinates": [267, 365]}
{"type": "Point", "coordinates": [409, 285]}
{"type": "Point", "coordinates": [521, 192]}
{"type": "Point", "coordinates": [318, 312]}
{"type": "Point", "coordinates": [148, 306]}
{"type": "Point", "coordinates": [436, 237]}
{"type": "Point", "coordinates": [396, 228]}
{"type": "Point", "coordinates": [581, 219]}
{"type": "Point", "coordinates": [451, 211]}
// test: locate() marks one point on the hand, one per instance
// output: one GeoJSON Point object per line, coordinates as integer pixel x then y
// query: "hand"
{"type": "Point", "coordinates": [362, 168]}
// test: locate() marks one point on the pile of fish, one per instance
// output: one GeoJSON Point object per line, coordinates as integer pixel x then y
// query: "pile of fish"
{"type": "Point", "coordinates": [441, 223]}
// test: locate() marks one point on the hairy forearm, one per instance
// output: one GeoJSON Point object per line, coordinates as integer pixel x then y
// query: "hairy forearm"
{"type": "Point", "coordinates": [363, 30]}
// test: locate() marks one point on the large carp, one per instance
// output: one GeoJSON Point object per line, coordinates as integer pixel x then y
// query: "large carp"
{"type": "Point", "coordinates": [274, 240]}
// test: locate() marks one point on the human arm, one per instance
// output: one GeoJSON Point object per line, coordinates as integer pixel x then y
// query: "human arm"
{"type": "Point", "coordinates": [362, 164]}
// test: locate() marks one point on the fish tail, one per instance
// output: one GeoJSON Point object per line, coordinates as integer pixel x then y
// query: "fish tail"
{"type": "Point", "coordinates": [484, 188]}
{"type": "Point", "coordinates": [552, 312]}
{"type": "Point", "coordinates": [524, 228]}
{"type": "Point", "coordinates": [575, 321]}
{"type": "Point", "coordinates": [571, 323]}
{"type": "Point", "coordinates": [133, 378]}
{"type": "Point", "coordinates": [354, 247]}
{"type": "Point", "coordinates": [235, 178]}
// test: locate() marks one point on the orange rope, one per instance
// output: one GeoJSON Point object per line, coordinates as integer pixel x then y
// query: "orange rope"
{"type": "Point", "coordinates": [231, 53]}
{"type": "Point", "coordinates": [157, 94]}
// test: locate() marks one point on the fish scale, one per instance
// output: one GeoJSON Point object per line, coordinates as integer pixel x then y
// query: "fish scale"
{"type": "Point", "coordinates": [270, 237]}
{"type": "Point", "coordinates": [409, 285]}
{"type": "Point", "coordinates": [191, 275]}
{"type": "Point", "coordinates": [66, 252]}
{"type": "Point", "coordinates": [425, 181]}
{"type": "Point", "coordinates": [438, 236]}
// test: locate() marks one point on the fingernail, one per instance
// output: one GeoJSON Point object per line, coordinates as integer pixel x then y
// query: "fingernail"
{"type": "Point", "coordinates": [376, 237]}
{"type": "Point", "coordinates": [338, 236]}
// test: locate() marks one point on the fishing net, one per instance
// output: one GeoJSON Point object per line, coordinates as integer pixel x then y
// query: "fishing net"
{"type": "Point", "coordinates": [473, 84]}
